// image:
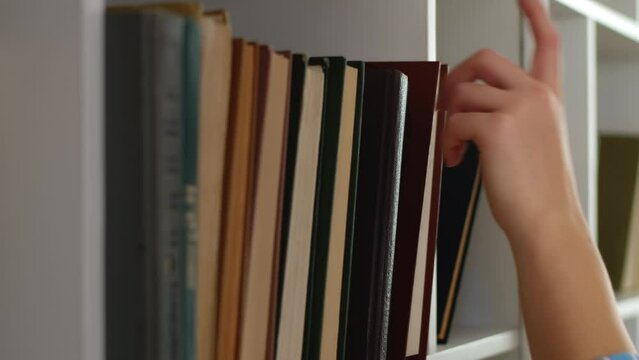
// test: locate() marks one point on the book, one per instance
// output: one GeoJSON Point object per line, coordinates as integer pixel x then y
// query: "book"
{"type": "Point", "coordinates": [336, 69]}
{"type": "Point", "coordinates": [433, 182]}
{"type": "Point", "coordinates": [352, 207]}
{"type": "Point", "coordinates": [125, 246]}
{"type": "Point", "coordinates": [305, 119]}
{"type": "Point", "coordinates": [144, 182]}
{"type": "Point", "coordinates": [458, 202]}
{"type": "Point", "coordinates": [260, 280]}
{"type": "Point", "coordinates": [382, 133]}
{"type": "Point", "coordinates": [171, 317]}
{"type": "Point", "coordinates": [190, 118]}
{"type": "Point", "coordinates": [340, 215]}
{"type": "Point", "coordinates": [238, 185]}
{"type": "Point", "coordinates": [414, 205]}
{"type": "Point", "coordinates": [167, 128]}
{"type": "Point", "coordinates": [430, 306]}
{"type": "Point", "coordinates": [215, 87]}
{"type": "Point", "coordinates": [619, 209]}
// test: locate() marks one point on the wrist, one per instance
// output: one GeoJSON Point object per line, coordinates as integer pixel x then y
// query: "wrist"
{"type": "Point", "coordinates": [552, 230]}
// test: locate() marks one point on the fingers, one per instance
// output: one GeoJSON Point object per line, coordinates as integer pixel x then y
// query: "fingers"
{"type": "Point", "coordinates": [462, 127]}
{"type": "Point", "coordinates": [488, 66]}
{"type": "Point", "coordinates": [545, 66]}
{"type": "Point", "coordinates": [474, 97]}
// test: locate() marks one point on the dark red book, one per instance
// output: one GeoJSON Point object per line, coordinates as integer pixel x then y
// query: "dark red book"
{"type": "Point", "coordinates": [382, 134]}
{"type": "Point", "coordinates": [423, 80]}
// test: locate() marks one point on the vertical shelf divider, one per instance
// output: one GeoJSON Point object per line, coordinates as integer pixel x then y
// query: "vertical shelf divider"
{"type": "Point", "coordinates": [578, 35]}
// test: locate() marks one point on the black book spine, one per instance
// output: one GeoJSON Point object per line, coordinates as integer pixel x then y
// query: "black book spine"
{"type": "Point", "coordinates": [126, 249]}
{"type": "Point", "coordinates": [382, 134]}
{"type": "Point", "coordinates": [458, 204]}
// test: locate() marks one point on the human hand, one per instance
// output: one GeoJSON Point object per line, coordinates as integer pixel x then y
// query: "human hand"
{"type": "Point", "coordinates": [517, 121]}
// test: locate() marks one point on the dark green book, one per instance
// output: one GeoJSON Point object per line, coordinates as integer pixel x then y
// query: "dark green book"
{"type": "Point", "coordinates": [352, 207]}
{"type": "Point", "coordinates": [380, 161]}
{"type": "Point", "coordinates": [618, 159]}
{"type": "Point", "coordinates": [334, 82]}
{"type": "Point", "coordinates": [190, 118]}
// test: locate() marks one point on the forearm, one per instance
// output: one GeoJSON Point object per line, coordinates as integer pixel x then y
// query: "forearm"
{"type": "Point", "coordinates": [567, 301]}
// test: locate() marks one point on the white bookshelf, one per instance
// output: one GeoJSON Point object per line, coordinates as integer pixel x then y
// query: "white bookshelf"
{"type": "Point", "coordinates": [51, 157]}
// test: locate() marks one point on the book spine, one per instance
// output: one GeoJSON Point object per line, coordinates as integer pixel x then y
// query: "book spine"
{"type": "Point", "coordinates": [148, 184]}
{"type": "Point", "coordinates": [168, 175]}
{"type": "Point", "coordinates": [191, 86]}
{"type": "Point", "coordinates": [324, 198]}
{"type": "Point", "coordinates": [124, 247]}
{"type": "Point", "coordinates": [393, 177]}
{"type": "Point", "coordinates": [352, 206]}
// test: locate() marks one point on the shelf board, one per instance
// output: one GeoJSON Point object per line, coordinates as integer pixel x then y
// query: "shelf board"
{"type": "Point", "coordinates": [628, 306]}
{"type": "Point", "coordinates": [477, 343]}
{"type": "Point", "coordinates": [603, 15]}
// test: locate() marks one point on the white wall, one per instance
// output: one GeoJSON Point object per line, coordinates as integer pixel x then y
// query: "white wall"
{"type": "Point", "coordinates": [357, 29]}
{"type": "Point", "coordinates": [626, 7]}
{"type": "Point", "coordinates": [488, 296]}
{"type": "Point", "coordinates": [618, 85]}
{"type": "Point", "coordinates": [50, 180]}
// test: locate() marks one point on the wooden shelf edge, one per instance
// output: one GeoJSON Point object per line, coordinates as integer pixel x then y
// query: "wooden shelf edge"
{"type": "Point", "coordinates": [499, 342]}
{"type": "Point", "coordinates": [604, 16]}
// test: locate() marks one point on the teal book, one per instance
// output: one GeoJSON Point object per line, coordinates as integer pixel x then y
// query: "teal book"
{"type": "Point", "coordinates": [190, 96]}
{"type": "Point", "coordinates": [165, 163]}
{"type": "Point", "coordinates": [144, 206]}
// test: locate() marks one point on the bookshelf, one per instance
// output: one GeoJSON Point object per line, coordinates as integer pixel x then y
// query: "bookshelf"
{"type": "Point", "coordinates": [51, 133]}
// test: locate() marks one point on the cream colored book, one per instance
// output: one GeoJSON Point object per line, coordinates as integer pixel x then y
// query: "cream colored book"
{"type": "Point", "coordinates": [237, 194]}
{"type": "Point", "coordinates": [257, 327]}
{"type": "Point", "coordinates": [293, 302]}
{"type": "Point", "coordinates": [419, 282]}
{"type": "Point", "coordinates": [215, 87]}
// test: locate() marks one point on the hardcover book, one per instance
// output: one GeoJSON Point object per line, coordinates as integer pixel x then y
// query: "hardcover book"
{"type": "Point", "coordinates": [190, 118]}
{"type": "Point", "coordinates": [215, 87]}
{"type": "Point", "coordinates": [305, 119]}
{"type": "Point", "coordinates": [335, 70]}
{"type": "Point", "coordinates": [126, 265]}
{"type": "Point", "coordinates": [382, 133]}
{"type": "Point", "coordinates": [144, 123]}
{"type": "Point", "coordinates": [238, 185]}
{"type": "Point", "coordinates": [340, 236]}
{"type": "Point", "coordinates": [458, 202]}
{"type": "Point", "coordinates": [410, 297]}
{"type": "Point", "coordinates": [260, 280]}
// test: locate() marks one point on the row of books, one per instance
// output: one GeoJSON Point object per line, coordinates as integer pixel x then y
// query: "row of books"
{"type": "Point", "coordinates": [618, 225]}
{"type": "Point", "coordinates": [268, 205]}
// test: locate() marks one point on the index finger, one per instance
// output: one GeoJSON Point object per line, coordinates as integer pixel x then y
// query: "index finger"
{"type": "Point", "coordinates": [487, 66]}
{"type": "Point", "coordinates": [545, 66]}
